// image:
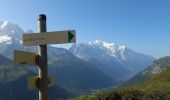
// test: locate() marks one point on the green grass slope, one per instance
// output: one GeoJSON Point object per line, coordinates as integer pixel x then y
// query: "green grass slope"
{"type": "Point", "coordinates": [154, 69]}
{"type": "Point", "coordinates": [157, 88]}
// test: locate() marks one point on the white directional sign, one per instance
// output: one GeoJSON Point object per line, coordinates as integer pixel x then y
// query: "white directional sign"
{"type": "Point", "coordinates": [24, 58]}
{"type": "Point", "coordinates": [58, 37]}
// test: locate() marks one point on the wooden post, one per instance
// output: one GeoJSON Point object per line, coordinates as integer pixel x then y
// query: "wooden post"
{"type": "Point", "coordinates": [43, 70]}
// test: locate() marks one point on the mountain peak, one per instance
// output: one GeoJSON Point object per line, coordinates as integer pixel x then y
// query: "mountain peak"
{"type": "Point", "coordinates": [10, 32]}
{"type": "Point", "coordinates": [99, 42]}
{"type": "Point", "coordinates": [9, 28]}
{"type": "Point", "coordinates": [4, 23]}
{"type": "Point", "coordinates": [105, 44]}
{"type": "Point", "coordinates": [109, 46]}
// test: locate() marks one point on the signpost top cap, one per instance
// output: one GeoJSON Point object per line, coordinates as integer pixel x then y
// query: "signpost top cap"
{"type": "Point", "coordinates": [42, 17]}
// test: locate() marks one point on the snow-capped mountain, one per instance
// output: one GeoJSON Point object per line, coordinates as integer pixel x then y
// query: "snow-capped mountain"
{"type": "Point", "coordinates": [10, 33]}
{"type": "Point", "coordinates": [10, 38]}
{"type": "Point", "coordinates": [109, 48]}
{"type": "Point", "coordinates": [117, 61]}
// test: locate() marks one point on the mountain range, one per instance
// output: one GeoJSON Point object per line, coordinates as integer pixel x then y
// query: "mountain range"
{"type": "Point", "coordinates": [84, 68]}
{"type": "Point", "coordinates": [119, 62]}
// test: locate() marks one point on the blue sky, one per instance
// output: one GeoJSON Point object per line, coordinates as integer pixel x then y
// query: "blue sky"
{"type": "Point", "coordinates": [143, 25]}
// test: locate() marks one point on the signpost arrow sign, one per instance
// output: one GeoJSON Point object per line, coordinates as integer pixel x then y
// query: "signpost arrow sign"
{"type": "Point", "coordinates": [24, 58]}
{"type": "Point", "coordinates": [58, 37]}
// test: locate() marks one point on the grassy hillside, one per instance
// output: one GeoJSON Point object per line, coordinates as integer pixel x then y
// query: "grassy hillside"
{"type": "Point", "coordinates": [154, 69]}
{"type": "Point", "coordinates": [157, 88]}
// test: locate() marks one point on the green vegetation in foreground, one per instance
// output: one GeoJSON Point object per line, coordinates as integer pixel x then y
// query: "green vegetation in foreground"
{"type": "Point", "coordinates": [157, 88]}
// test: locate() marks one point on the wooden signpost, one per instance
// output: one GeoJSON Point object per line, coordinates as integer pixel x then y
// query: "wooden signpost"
{"type": "Point", "coordinates": [41, 39]}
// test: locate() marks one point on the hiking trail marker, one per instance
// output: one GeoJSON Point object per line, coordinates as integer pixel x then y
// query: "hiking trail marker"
{"type": "Point", "coordinates": [24, 58]}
